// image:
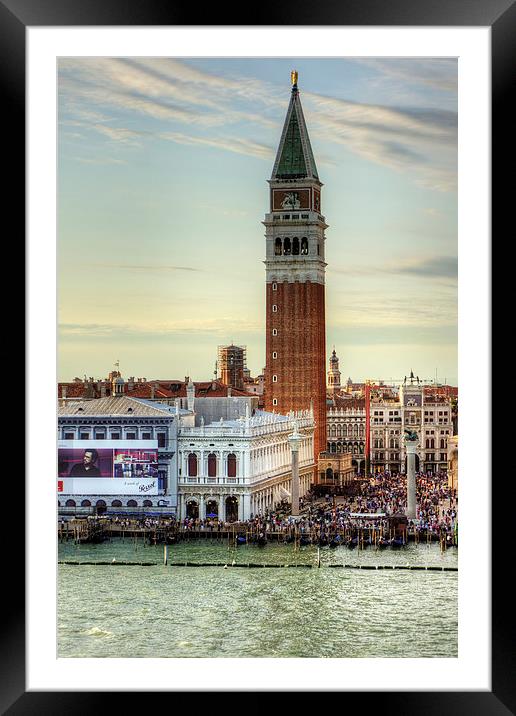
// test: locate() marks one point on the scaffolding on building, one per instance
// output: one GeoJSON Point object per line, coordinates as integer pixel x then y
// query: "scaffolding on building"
{"type": "Point", "coordinates": [231, 365]}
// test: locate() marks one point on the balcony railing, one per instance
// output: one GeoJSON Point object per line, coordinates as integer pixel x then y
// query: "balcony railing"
{"type": "Point", "coordinates": [203, 480]}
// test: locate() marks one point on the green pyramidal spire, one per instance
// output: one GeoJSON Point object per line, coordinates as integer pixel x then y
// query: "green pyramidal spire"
{"type": "Point", "coordinates": [295, 159]}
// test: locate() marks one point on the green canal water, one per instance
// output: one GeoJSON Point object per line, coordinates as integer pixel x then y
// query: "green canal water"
{"type": "Point", "coordinates": [166, 611]}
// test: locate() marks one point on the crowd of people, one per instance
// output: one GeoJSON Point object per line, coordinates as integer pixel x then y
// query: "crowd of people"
{"type": "Point", "coordinates": [372, 503]}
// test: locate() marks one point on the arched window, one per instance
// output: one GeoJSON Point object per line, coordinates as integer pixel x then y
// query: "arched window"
{"type": "Point", "coordinates": [277, 247]}
{"type": "Point", "coordinates": [304, 246]}
{"type": "Point", "coordinates": [116, 503]}
{"type": "Point", "coordinates": [192, 465]}
{"type": "Point", "coordinates": [329, 473]}
{"type": "Point", "coordinates": [232, 465]}
{"type": "Point", "coordinates": [70, 503]}
{"type": "Point", "coordinates": [192, 509]}
{"type": "Point", "coordinates": [286, 247]}
{"type": "Point", "coordinates": [85, 503]}
{"type": "Point", "coordinates": [147, 503]}
{"type": "Point", "coordinates": [443, 444]}
{"type": "Point", "coordinates": [132, 503]}
{"type": "Point", "coordinates": [427, 443]}
{"type": "Point", "coordinates": [212, 465]}
{"type": "Point", "coordinates": [295, 246]}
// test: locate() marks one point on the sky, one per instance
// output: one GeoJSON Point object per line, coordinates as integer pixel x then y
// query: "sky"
{"type": "Point", "coordinates": [162, 187]}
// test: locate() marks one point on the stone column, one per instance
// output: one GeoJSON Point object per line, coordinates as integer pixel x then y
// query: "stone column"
{"type": "Point", "coordinates": [294, 440]}
{"type": "Point", "coordinates": [411, 446]}
{"type": "Point", "coordinates": [243, 507]}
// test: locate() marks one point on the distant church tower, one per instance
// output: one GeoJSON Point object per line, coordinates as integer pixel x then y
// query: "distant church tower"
{"type": "Point", "coordinates": [295, 372]}
{"type": "Point", "coordinates": [334, 374]}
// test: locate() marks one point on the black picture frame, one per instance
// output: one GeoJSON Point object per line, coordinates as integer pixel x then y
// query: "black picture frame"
{"type": "Point", "coordinates": [500, 16]}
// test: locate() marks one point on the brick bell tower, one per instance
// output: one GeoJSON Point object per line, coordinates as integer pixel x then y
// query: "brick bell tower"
{"type": "Point", "coordinates": [295, 370]}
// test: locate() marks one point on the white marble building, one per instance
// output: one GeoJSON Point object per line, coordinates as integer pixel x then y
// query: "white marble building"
{"type": "Point", "coordinates": [233, 469]}
{"type": "Point", "coordinates": [219, 456]}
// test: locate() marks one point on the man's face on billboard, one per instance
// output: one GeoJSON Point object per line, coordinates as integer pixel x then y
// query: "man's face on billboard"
{"type": "Point", "coordinates": [87, 458]}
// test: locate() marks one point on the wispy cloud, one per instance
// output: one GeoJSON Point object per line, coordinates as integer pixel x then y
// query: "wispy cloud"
{"type": "Point", "coordinates": [99, 160]}
{"type": "Point", "coordinates": [444, 267]}
{"type": "Point", "coordinates": [145, 268]}
{"type": "Point", "coordinates": [440, 73]}
{"type": "Point", "coordinates": [439, 267]}
{"type": "Point", "coordinates": [422, 141]}
{"type": "Point", "coordinates": [152, 331]}
{"type": "Point", "coordinates": [109, 96]}
{"type": "Point", "coordinates": [407, 311]}
{"type": "Point", "coordinates": [233, 144]}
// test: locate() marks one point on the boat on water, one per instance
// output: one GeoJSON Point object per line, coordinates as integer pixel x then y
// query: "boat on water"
{"type": "Point", "coordinates": [261, 540]}
{"type": "Point", "coordinates": [163, 539]}
{"type": "Point", "coordinates": [241, 539]}
{"type": "Point", "coordinates": [335, 542]}
{"type": "Point", "coordinates": [397, 542]}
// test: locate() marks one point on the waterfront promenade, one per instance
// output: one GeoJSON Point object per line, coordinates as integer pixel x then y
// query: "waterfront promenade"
{"type": "Point", "coordinates": [372, 514]}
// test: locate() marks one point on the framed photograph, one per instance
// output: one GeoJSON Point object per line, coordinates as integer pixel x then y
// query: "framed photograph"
{"type": "Point", "coordinates": [63, 57]}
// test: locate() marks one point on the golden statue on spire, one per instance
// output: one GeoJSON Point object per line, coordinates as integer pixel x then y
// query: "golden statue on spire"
{"type": "Point", "coordinates": [293, 77]}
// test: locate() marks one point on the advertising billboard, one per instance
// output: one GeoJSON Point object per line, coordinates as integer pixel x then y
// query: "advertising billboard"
{"type": "Point", "coordinates": [107, 467]}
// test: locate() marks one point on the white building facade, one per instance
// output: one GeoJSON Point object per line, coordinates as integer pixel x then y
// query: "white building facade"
{"type": "Point", "coordinates": [118, 420]}
{"type": "Point", "coordinates": [234, 469]}
{"type": "Point", "coordinates": [428, 416]}
{"type": "Point", "coordinates": [346, 429]}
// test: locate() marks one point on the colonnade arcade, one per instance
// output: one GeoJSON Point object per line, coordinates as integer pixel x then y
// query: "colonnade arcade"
{"type": "Point", "coordinates": [234, 504]}
{"type": "Point", "coordinates": [356, 448]}
{"type": "Point", "coordinates": [267, 497]}
{"type": "Point", "coordinates": [228, 505]}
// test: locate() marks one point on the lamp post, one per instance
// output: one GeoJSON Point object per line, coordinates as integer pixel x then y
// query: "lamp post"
{"type": "Point", "coordinates": [294, 440]}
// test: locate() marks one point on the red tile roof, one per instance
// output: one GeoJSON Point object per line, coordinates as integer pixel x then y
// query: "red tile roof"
{"type": "Point", "coordinates": [164, 389]}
